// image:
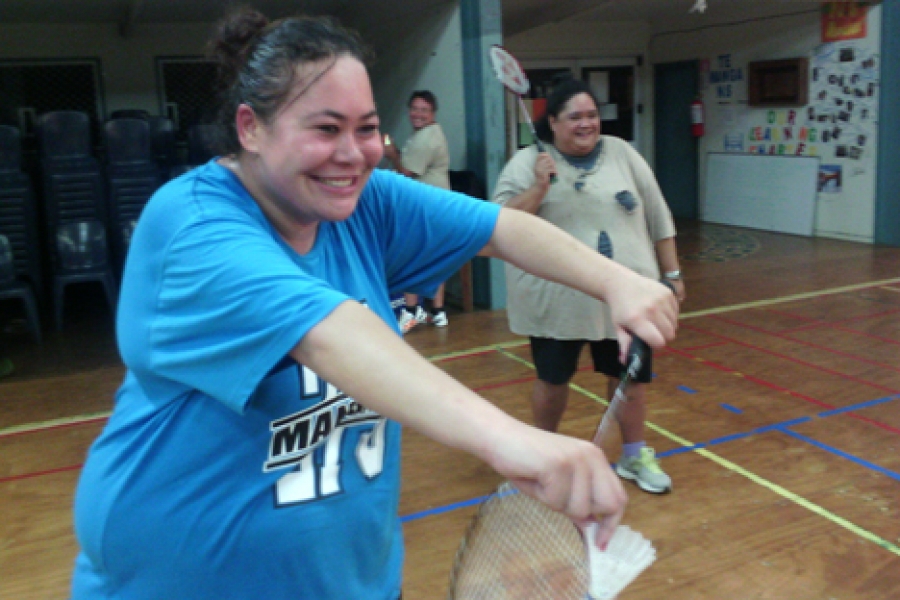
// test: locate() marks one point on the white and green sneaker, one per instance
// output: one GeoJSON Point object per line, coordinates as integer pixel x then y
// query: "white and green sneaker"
{"type": "Point", "coordinates": [645, 471]}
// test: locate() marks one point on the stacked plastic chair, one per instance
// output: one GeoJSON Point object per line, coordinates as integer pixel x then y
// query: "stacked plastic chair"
{"type": "Point", "coordinates": [74, 201]}
{"type": "Point", "coordinates": [13, 287]}
{"type": "Point", "coordinates": [132, 176]}
{"type": "Point", "coordinates": [19, 211]}
{"type": "Point", "coordinates": [162, 144]}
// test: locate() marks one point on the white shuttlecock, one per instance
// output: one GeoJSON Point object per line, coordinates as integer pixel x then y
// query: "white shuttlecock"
{"type": "Point", "coordinates": [626, 557]}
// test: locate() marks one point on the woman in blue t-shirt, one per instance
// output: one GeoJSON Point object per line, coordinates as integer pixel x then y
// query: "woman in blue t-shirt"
{"type": "Point", "coordinates": [253, 451]}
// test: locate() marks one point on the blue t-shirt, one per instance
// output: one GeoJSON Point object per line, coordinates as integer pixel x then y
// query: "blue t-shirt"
{"type": "Point", "coordinates": [227, 470]}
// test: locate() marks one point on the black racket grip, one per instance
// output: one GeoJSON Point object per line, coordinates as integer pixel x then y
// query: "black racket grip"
{"type": "Point", "coordinates": [637, 355]}
{"type": "Point", "coordinates": [638, 350]}
{"type": "Point", "coordinates": [540, 147]}
{"type": "Point", "coordinates": [668, 284]}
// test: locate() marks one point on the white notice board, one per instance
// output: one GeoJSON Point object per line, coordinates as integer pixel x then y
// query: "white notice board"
{"type": "Point", "coordinates": [776, 193]}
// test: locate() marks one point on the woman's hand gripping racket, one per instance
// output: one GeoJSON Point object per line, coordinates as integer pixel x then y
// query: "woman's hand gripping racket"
{"type": "Point", "coordinates": [637, 355]}
{"type": "Point", "coordinates": [510, 73]}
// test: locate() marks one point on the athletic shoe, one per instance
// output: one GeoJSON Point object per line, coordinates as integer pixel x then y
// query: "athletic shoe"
{"type": "Point", "coordinates": [438, 319]}
{"type": "Point", "coordinates": [409, 320]}
{"type": "Point", "coordinates": [645, 471]}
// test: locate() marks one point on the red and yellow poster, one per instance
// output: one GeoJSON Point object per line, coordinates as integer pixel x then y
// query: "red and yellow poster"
{"type": "Point", "coordinates": [843, 21]}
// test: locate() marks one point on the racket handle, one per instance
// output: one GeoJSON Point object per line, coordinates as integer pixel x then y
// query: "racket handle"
{"type": "Point", "coordinates": [668, 284]}
{"type": "Point", "coordinates": [541, 149]}
{"type": "Point", "coordinates": [637, 355]}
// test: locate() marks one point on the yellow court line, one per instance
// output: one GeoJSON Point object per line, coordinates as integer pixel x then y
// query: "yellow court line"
{"type": "Point", "coordinates": [783, 492]}
{"type": "Point", "coordinates": [791, 298]}
{"type": "Point", "coordinates": [890, 289]}
{"type": "Point", "coordinates": [62, 421]}
{"type": "Point", "coordinates": [522, 342]}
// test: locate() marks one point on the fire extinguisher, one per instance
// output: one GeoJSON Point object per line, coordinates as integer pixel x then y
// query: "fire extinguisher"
{"type": "Point", "coordinates": [697, 129]}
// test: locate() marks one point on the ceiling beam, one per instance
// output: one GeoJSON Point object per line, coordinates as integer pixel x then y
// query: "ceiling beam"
{"type": "Point", "coordinates": [551, 13]}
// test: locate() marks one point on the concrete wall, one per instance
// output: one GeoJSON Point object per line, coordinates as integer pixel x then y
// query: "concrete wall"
{"type": "Point", "coordinates": [428, 58]}
{"type": "Point", "coordinates": [129, 76]}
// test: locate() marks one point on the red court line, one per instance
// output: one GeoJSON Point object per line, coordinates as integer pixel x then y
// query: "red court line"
{"type": "Point", "coordinates": [774, 386]}
{"type": "Point", "coordinates": [39, 473]}
{"type": "Point", "coordinates": [790, 392]}
{"type": "Point", "coordinates": [465, 355]}
{"type": "Point", "coordinates": [834, 326]}
{"type": "Point", "coordinates": [805, 343]}
{"type": "Point", "coordinates": [703, 347]}
{"type": "Point", "coordinates": [492, 386]}
{"type": "Point", "coordinates": [791, 315]}
{"type": "Point", "coordinates": [833, 323]}
{"type": "Point", "coordinates": [868, 335]}
{"type": "Point", "coordinates": [798, 361]}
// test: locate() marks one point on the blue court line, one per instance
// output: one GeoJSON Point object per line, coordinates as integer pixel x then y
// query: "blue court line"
{"type": "Point", "coordinates": [842, 454]}
{"type": "Point", "coordinates": [782, 427]}
{"type": "Point", "coordinates": [442, 509]}
{"type": "Point", "coordinates": [685, 388]}
{"type": "Point", "coordinates": [731, 408]}
{"type": "Point", "coordinates": [854, 407]}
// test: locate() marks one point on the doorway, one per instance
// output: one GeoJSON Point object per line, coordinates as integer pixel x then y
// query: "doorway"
{"type": "Point", "coordinates": [675, 149]}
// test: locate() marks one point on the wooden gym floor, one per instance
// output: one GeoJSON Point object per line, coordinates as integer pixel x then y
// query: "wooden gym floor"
{"type": "Point", "coordinates": [775, 412]}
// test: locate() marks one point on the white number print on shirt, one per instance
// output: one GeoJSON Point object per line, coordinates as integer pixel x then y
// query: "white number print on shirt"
{"type": "Point", "coordinates": [296, 438]}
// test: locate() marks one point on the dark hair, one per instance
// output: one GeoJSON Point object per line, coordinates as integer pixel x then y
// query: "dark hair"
{"type": "Point", "coordinates": [557, 101]}
{"type": "Point", "coordinates": [257, 62]}
{"type": "Point", "coordinates": [425, 95]}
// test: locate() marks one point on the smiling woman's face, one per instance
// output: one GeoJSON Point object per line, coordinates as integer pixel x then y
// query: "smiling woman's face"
{"type": "Point", "coordinates": [313, 160]}
{"type": "Point", "coordinates": [576, 129]}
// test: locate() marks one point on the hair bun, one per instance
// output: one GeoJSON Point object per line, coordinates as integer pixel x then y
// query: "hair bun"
{"type": "Point", "coordinates": [232, 41]}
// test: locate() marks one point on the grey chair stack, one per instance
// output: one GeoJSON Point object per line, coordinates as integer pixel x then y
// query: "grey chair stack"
{"type": "Point", "coordinates": [75, 206]}
{"type": "Point", "coordinates": [132, 176]}
{"type": "Point", "coordinates": [19, 211]}
{"type": "Point", "coordinates": [12, 287]}
{"type": "Point", "coordinates": [162, 144]}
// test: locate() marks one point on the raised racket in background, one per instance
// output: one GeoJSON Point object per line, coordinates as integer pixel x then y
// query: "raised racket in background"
{"type": "Point", "coordinates": [513, 77]}
{"type": "Point", "coordinates": [517, 548]}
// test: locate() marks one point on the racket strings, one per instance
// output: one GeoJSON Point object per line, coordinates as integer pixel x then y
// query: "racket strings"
{"type": "Point", "coordinates": [518, 548]}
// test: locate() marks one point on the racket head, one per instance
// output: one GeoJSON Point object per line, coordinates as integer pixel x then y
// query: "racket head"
{"type": "Point", "coordinates": [518, 548]}
{"type": "Point", "coordinates": [509, 71]}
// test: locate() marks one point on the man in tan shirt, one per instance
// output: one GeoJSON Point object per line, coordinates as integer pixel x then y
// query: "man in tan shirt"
{"type": "Point", "coordinates": [425, 157]}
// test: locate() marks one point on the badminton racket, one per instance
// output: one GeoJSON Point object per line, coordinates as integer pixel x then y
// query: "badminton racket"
{"type": "Point", "coordinates": [637, 355]}
{"type": "Point", "coordinates": [513, 77]}
{"type": "Point", "coordinates": [517, 548]}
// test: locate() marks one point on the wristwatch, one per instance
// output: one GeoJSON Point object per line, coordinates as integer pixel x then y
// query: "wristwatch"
{"type": "Point", "coordinates": [672, 275]}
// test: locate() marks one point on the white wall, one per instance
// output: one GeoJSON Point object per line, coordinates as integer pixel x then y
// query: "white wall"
{"type": "Point", "coordinates": [733, 126]}
{"type": "Point", "coordinates": [429, 58]}
{"type": "Point", "coordinates": [845, 214]}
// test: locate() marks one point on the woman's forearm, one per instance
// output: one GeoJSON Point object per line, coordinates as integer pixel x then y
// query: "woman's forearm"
{"type": "Point", "coordinates": [359, 354]}
{"type": "Point", "coordinates": [355, 351]}
{"type": "Point", "coordinates": [638, 304]}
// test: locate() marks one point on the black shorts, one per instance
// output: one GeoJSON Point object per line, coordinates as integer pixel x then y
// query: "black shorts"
{"type": "Point", "coordinates": [557, 360]}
